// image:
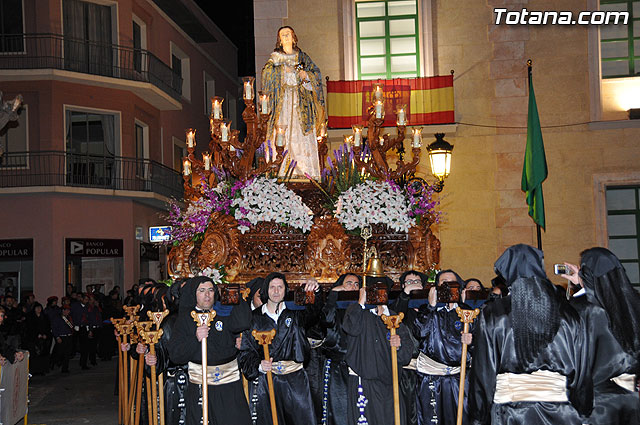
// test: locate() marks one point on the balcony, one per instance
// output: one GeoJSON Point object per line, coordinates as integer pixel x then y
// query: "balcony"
{"type": "Point", "coordinates": [67, 59]}
{"type": "Point", "coordinates": [55, 168]}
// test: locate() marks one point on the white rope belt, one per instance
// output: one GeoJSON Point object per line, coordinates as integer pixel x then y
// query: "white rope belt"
{"type": "Point", "coordinates": [428, 366]}
{"type": "Point", "coordinates": [626, 381]}
{"type": "Point", "coordinates": [284, 367]}
{"type": "Point", "coordinates": [216, 375]}
{"type": "Point", "coordinates": [541, 385]}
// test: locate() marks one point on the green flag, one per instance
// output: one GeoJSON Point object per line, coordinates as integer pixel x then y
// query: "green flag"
{"type": "Point", "coordinates": [534, 171]}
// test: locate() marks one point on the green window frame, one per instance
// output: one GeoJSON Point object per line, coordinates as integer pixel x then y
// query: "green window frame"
{"type": "Point", "coordinates": [620, 44]}
{"type": "Point", "coordinates": [623, 225]}
{"type": "Point", "coordinates": [384, 40]}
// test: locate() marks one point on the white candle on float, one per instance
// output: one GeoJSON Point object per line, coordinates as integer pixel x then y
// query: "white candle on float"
{"type": "Point", "coordinates": [381, 141]}
{"type": "Point", "coordinates": [206, 160]}
{"type": "Point", "coordinates": [248, 88]}
{"type": "Point", "coordinates": [224, 132]}
{"type": "Point", "coordinates": [216, 107]}
{"type": "Point", "coordinates": [357, 135]}
{"type": "Point", "coordinates": [191, 138]}
{"type": "Point", "coordinates": [379, 109]}
{"type": "Point", "coordinates": [264, 104]}
{"type": "Point", "coordinates": [417, 138]}
{"type": "Point", "coordinates": [401, 117]}
{"type": "Point", "coordinates": [378, 93]}
{"type": "Point", "coordinates": [280, 133]}
{"type": "Point", "coordinates": [186, 167]}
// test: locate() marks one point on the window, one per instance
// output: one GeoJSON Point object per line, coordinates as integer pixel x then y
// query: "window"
{"type": "Point", "coordinates": [14, 141]}
{"type": "Point", "coordinates": [387, 38]}
{"type": "Point", "coordinates": [179, 152]}
{"type": "Point", "coordinates": [11, 30]}
{"type": "Point", "coordinates": [92, 147]}
{"type": "Point", "coordinates": [620, 44]}
{"type": "Point", "coordinates": [137, 46]}
{"type": "Point", "coordinates": [88, 37]}
{"type": "Point", "coordinates": [141, 140]}
{"type": "Point", "coordinates": [181, 65]}
{"type": "Point", "coordinates": [623, 222]}
{"type": "Point", "coordinates": [209, 92]}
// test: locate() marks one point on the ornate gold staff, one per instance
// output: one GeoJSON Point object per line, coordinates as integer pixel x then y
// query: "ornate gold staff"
{"type": "Point", "coordinates": [393, 322]}
{"type": "Point", "coordinates": [152, 338]}
{"type": "Point", "coordinates": [466, 317]}
{"type": "Point", "coordinates": [126, 330]}
{"type": "Point", "coordinates": [365, 233]}
{"type": "Point", "coordinates": [204, 319]}
{"type": "Point", "coordinates": [135, 364]}
{"type": "Point", "coordinates": [264, 338]}
{"type": "Point", "coordinates": [245, 384]}
{"type": "Point", "coordinates": [157, 317]}
{"type": "Point", "coordinates": [142, 327]}
{"type": "Point", "coordinates": [116, 325]}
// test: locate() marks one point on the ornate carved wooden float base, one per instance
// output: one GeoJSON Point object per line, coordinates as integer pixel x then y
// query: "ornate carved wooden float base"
{"type": "Point", "coordinates": [324, 253]}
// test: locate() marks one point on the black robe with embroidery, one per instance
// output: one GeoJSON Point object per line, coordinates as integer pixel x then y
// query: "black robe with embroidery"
{"type": "Point", "coordinates": [613, 405]}
{"type": "Point", "coordinates": [227, 402]}
{"type": "Point", "coordinates": [292, 393]}
{"type": "Point", "coordinates": [495, 353]}
{"type": "Point", "coordinates": [369, 356]}
{"type": "Point", "coordinates": [439, 337]}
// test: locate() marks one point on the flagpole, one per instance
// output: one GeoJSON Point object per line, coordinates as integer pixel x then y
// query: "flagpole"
{"type": "Point", "coordinates": [538, 231]}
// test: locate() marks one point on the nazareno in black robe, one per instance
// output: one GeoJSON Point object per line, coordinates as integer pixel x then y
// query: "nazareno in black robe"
{"type": "Point", "coordinates": [292, 393]}
{"type": "Point", "coordinates": [227, 402]}
{"type": "Point", "coordinates": [495, 347]}
{"type": "Point", "coordinates": [369, 355]}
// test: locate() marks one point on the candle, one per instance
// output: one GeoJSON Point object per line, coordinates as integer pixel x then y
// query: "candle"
{"type": "Point", "coordinates": [357, 135]}
{"type": "Point", "coordinates": [381, 141]}
{"type": "Point", "coordinates": [280, 133]}
{"type": "Point", "coordinates": [379, 109]}
{"type": "Point", "coordinates": [186, 167]}
{"type": "Point", "coordinates": [401, 117]}
{"type": "Point", "coordinates": [224, 131]}
{"type": "Point", "coordinates": [248, 88]}
{"type": "Point", "coordinates": [378, 94]}
{"type": "Point", "coordinates": [264, 103]}
{"type": "Point", "coordinates": [217, 108]}
{"type": "Point", "coordinates": [206, 160]}
{"type": "Point", "coordinates": [417, 138]}
{"type": "Point", "coordinates": [191, 138]}
{"type": "Point", "coordinates": [348, 139]}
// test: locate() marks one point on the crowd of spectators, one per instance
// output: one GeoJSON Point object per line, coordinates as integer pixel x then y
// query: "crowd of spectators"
{"type": "Point", "coordinates": [79, 323]}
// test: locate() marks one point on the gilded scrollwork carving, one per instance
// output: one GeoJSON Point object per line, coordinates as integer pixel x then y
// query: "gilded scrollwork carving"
{"type": "Point", "coordinates": [221, 245]}
{"type": "Point", "coordinates": [328, 251]}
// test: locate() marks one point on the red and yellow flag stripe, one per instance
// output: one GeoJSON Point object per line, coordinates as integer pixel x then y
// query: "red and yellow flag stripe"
{"type": "Point", "coordinates": [427, 100]}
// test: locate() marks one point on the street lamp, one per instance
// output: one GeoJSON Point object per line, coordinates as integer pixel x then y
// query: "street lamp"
{"type": "Point", "coordinates": [440, 158]}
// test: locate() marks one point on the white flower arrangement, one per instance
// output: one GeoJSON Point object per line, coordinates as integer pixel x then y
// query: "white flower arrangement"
{"type": "Point", "coordinates": [217, 276]}
{"type": "Point", "coordinates": [374, 202]}
{"type": "Point", "coordinates": [265, 199]}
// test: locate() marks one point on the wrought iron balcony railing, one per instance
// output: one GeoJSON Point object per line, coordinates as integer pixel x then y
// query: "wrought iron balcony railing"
{"type": "Point", "coordinates": [43, 51]}
{"type": "Point", "coordinates": [55, 168]}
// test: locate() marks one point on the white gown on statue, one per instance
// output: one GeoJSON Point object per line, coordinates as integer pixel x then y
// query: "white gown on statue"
{"type": "Point", "coordinates": [301, 148]}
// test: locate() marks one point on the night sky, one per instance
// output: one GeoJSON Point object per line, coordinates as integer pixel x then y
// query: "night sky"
{"type": "Point", "coordinates": [235, 19]}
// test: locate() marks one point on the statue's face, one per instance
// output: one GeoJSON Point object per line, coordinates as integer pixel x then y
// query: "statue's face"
{"type": "Point", "coordinates": [286, 37]}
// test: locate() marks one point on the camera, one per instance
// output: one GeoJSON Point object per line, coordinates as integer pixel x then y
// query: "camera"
{"type": "Point", "coordinates": [561, 269]}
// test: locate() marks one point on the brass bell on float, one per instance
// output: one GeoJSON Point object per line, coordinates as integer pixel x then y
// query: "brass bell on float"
{"type": "Point", "coordinates": [374, 266]}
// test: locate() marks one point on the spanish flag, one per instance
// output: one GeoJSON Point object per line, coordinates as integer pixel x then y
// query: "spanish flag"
{"type": "Point", "coordinates": [427, 100]}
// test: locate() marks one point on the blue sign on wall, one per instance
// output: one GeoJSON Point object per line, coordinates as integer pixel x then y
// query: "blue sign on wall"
{"type": "Point", "coordinates": [159, 233]}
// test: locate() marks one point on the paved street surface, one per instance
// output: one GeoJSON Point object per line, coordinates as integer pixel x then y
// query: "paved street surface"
{"type": "Point", "coordinates": [79, 397]}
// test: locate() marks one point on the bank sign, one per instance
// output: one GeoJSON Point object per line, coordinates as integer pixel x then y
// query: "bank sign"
{"type": "Point", "coordinates": [16, 249]}
{"type": "Point", "coordinates": [93, 247]}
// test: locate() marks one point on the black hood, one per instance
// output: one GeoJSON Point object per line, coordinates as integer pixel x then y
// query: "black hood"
{"type": "Point", "coordinates": [423, 277]}
{"type": "Point", "coordinates": [458, 278]}
{"type": "Point", "coordinates": [188, 292]}
{"type": "Point", "coordinates": [520, 261]}
{"type": "Point", "coordinates": [342, 277]}
{"type": "Point", "coordinates": [254, 286]}
{"type": "Point", "coordinates": [264, 292]}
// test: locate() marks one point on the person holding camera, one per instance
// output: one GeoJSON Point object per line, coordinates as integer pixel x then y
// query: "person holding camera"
{"type": "Point", "coordinates": [610, 308]}
{"type": "Point", "coordinates": [531, 351]}
{"type": "Point", "coordinates": [438, 329]}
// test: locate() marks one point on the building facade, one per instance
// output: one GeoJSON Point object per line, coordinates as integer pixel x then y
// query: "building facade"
{"type": "Point", "coordinates": [586, 80]}
{"type": "Point", "coordinates": [109, 89]}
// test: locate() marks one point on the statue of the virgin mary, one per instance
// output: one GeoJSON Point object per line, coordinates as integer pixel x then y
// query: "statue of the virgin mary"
{"type": "Point", "coordinates": [294, 85]}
